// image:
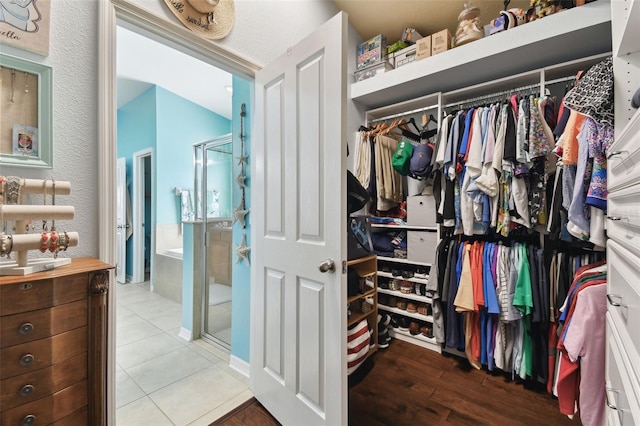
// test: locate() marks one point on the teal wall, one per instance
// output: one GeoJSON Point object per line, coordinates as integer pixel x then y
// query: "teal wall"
{"type": "Point", "coordinates": [180, 125]}
{"type": "Point", "coordinates": [241, 293]}
{"type": "Point", "coordinates": [170, 125]}
{"type": "Point", "coordinates": [136, 131]}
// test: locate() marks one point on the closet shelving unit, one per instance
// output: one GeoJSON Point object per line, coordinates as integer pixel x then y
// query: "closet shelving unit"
{"type": "Point", "coordinates": [622, 365]}
{"type": "Point", "coordinates": [533, 56]}
{"type": "Point", "coordinates": [419, 339]}
{"type": "Point", "coordinates": [366, 266]}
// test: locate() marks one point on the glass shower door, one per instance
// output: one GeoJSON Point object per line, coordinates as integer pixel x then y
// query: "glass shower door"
{"type": "Point", "coordinates": [215, 191]}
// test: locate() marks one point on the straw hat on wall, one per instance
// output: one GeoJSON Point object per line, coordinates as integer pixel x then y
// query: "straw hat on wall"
{"type": "Point", "coordinates": [211, 19]}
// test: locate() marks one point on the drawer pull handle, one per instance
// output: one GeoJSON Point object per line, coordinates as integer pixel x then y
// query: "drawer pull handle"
{"type": "Point", "coordinates": [29, 420]}
{"type": "Point", "coordinates": [26, 360]}
{"type": "Point", "coordinates": [614, 153]}
{"type": "Point", "coordinates": [26, 328]}
{"type": "Point", "coordinates": [606, 394]}
{"type": "Point", "coordinates": [26, 390]}
{"type": "Point", "coordinates": [25, 286]}
{"type": "Point", "coordinates": [614, 300]}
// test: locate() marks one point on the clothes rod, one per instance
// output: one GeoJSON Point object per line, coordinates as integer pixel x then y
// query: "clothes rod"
{"type": "Point", "coordinates": [402, 114]}
{"type": "Point", "coordinates": [509, 91]}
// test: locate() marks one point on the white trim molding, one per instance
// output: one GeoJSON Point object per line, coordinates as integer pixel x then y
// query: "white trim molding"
{"type": "Point", "coordinates": [185, 334]}
{"type": "Point", "coordinates": [240, 365]}
{"type": "Point", "coordinates": [110, 14]}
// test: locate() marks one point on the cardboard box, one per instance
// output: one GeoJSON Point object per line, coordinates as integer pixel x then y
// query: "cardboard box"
{"type": "Point", "coordinates": [372, 52]}
{"type": "Point", "coordinates": [423, 48]}
{"type": "Point", "coordinates": [440, 42]}
{"type": "Point", "coordinates": [410, 36]}
{"type": "Point", "coordinates": [404, 56]}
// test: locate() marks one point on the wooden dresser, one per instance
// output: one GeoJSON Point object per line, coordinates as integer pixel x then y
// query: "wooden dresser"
{"type": "Point", "coordinates": [53, 346]}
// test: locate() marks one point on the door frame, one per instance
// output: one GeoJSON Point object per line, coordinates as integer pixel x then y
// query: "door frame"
{"type": "Point", "coordinates": [121, 219]}
{"type": "Point", "coordinates": [138, 195]}
{"type": "Point", "coordinates": [110, 14]}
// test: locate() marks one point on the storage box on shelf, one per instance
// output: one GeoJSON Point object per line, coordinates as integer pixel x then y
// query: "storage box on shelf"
{"type": "Point", "coordinates": [584, 31]}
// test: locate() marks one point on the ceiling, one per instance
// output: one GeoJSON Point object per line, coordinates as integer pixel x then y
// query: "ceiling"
{"type": "Point", "coordinates": [142, 62]}
{"type": "Point", "coordinates": [373, 17]}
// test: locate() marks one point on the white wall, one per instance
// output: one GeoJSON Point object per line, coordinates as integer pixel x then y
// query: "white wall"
{"type": "Point", "coordinates": [73, 57]}
{"type": "Point", "coordinates": [263, 29]}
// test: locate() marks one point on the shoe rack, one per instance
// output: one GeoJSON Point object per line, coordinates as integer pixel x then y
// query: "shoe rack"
{"type": "Point", "coordinates": [364, 304]}
{"type": "Point", "coordinates": [402, 287]}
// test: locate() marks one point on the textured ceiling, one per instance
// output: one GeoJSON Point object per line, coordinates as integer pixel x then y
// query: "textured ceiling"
{"type": "Point", "coordinates": [372, 17]}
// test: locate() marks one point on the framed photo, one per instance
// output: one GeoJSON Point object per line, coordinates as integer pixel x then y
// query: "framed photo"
{"type": "Point", "coordinates": [25, 24]}
{"type": "Point", "coordinates": [25, 140]}
{"type": "Point", "coordinates": [26, 113]}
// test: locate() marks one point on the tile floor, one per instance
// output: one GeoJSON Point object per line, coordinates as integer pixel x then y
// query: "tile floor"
{"type": "Point", "coordinates": [162, 379]}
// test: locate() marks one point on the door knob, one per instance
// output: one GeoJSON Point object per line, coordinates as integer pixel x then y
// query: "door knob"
{"type": "Point", "coordinates": [327, 265]}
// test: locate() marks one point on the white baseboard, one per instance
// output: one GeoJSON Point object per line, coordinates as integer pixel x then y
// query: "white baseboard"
{"type": "Point", "coordinates": [186, 334]}
{"type": "Point", "coordinates": [240, 365]}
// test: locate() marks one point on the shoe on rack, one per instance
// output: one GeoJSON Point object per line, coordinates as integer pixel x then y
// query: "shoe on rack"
{"type": "Point", "coordinates": [406, 287]}
{"type": "Point", "coordinates": [395, 285]}
{"type": "Point", "coordinates": [421, 272]}
{"type": "Point", "coordinates": [401, 304]}
{"type": "Point", "coordinates": [407, 274]}
{"type": "Point", "coordinates": [426, 331]}
{"type": "Point", "coordinates": [396, 273]}
{"type": "Point", "coordinates": [423, 309]}
{"type": "Point", "coordinates": [393, 301]}
{"type": "Point", "coordinates": [394, 321]}
{"type": "Point", "coordinates": [403, 324]}
{"type": "Point", "coordinates": [414, 328]}
{"type": "Point", "coordinates": [383, 340]}
{"type": "Point", "coordinates": [385, 267]}
{"type": "Point", "coordinates": [383, 284]}
{"type": "Point", "coordinates": [383, 299]}
{"type": "Point", "coordinates": [412, 308]}
{"type": "Point", "coordinates": [385, 319]}
{"type": "Point", "coordinates": [418, 288]}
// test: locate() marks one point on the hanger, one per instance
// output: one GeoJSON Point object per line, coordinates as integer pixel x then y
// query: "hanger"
{"type": "Point", "coordinates": [413, 122]}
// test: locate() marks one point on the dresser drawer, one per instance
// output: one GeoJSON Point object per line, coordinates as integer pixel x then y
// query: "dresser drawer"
{"type": "Point", "coordinates": [77, 418]}
{"type": "Point", "coordinates": [623, 296]}
{"type": "Point", "coordinates": [38, 294]}
{"type": "Point", "coordinates": [35, 385]}
{"type": "Point", "coordinates": [623, 217]}
{"type": "Point", "coordinates": [27, 327]}
{"type": "Point", "coordinates": [20, 359]}
{"type": "Point", "coordinates": [622, 388]}
{"type": "Point", "coordinates": [48, 410]}
{"type": "Point", "coordinates": [623, 165]}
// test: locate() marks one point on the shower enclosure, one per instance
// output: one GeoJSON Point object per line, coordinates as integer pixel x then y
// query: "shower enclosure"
{"type": "Point", "coordinates": [213, 162]}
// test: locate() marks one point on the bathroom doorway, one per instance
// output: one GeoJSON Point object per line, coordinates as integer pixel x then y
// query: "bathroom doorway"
{"type": "Point", "coordinates": [213, 162]}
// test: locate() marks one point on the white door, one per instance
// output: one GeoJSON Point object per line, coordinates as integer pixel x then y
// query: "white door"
{"type": "Point", "coordinates": [298, 333]}
{"type": "Point", "coordinates": [121, 220]}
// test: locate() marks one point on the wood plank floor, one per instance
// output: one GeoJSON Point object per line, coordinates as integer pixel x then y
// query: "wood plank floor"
{"type": "Point", "coordinates": [408, 385]}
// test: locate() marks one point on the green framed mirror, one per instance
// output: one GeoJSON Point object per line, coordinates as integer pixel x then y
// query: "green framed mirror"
{"type": "Point", "coordinates": [26, 111]}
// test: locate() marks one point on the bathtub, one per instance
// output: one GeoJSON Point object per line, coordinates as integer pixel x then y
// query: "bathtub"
{"type": "Point", "coordinates": [168, 274]}
{"type": "Point", "coordinates": [175, 252]}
